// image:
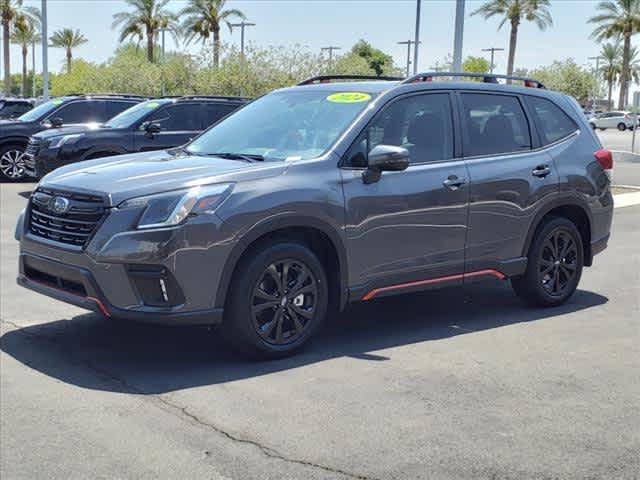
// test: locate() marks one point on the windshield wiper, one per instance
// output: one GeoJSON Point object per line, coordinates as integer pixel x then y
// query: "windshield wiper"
{"type": "Point", "coordinates": [179, 150]}
{"type": "Point", "coordinates": [249, 157]}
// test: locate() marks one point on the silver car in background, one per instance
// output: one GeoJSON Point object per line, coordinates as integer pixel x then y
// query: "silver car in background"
{"type": "Point", "coordinates": [618, 119]}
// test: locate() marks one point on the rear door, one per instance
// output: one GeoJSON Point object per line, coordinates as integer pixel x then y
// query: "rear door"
{"type": "Point", "coordinates": [81, 111]}
{"type": "Point", "coordinates": [510, 178]}
{"type": "Point", "coordinates": [179, 123]}
{"type": "Point", "coordinates": [408, 229]}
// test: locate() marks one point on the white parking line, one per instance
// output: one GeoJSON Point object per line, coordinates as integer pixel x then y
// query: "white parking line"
{"type": "Point", "coordinates": [626, 199]}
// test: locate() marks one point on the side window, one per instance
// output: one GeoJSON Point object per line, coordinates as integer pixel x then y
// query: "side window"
{"type": "Point", "coordinates": [80, 112]}
{"type": "Point", "coordinates": [177, 117]}
{"type": "Point", "coordinates": [215, 111]}
{"type": "Point", "coordinates": [493, 124]}
{"type": "Point", "coordinates": [552, 123]}
{"type": "Point", "coordinates": [420, 123]}
{"type": "Point", "coordinates": [114, 108]}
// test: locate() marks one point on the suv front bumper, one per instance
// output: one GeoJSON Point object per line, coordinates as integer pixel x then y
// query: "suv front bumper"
{"type": "Point", "coordinates": [120, 277]}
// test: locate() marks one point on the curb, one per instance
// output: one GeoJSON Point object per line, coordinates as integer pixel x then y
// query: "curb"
{"type": "Point", "coordinates": [622, 200]}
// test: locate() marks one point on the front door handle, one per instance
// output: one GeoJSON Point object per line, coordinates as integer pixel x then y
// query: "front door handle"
{"type": "Point", "coordinates": [541, 171]}
{"type": "Point", "coordinates": [453, 182]}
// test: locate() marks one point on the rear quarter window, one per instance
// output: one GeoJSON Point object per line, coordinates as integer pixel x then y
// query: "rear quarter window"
{"type": "Point", "coordinates": [552, 123]}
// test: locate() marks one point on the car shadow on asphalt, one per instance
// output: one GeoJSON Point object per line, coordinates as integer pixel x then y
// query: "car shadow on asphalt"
{"type": "Point", "coordinates": [95, 353]}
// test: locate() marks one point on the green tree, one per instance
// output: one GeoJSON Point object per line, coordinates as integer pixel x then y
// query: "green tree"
{"type": "Point", "coordinates": [24, 34]}
{"type": "Point", "coordinates": [377, 60]}
{"type": "Point", "coordinates": [147, 19]}
{"type": "Point", "coordinates": [67, 39]}
{"type": "Point", "coordinates": [514, 11]}
{"type": "Point", "coordinates": [612, 55]}
{"type": "Point", "coordinates": [476, 65]}
{"type": "Point", "coordinates": [11, 12]}
{"type": "Point", "coordinates": [204, 18]}
{"type": "Point", "coordinates": [566, 76]}
{"type": "Point", "coordinates": [618, 18]}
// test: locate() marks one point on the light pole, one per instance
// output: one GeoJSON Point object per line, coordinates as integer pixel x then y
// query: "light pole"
{"type": "Point", "coordinates": [33, 67]}
{"type": "Point", "coordinates": [493, 50]}
{"type": "Point", "coordinates": [242, 26]}
{"type": "Point", "coordinates": [408, 43]}
{"type": "Point", "coordinates": [416, 41]}
{"type": "Point", "coordinates": [45, 53]}
{"type": "Point", "coordinates": [596, 83]}
{"type": "Point", "coordinates": [457, 40]}
{"type": "Point", "coordinates": [330, 50]}
{"type": "Point", "coordinates": [163, 88]}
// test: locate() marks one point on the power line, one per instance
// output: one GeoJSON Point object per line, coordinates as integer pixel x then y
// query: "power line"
{"type": "Point", "coordinates": [330, 49]}
{"type": "Point", "coordinates": [242, 26]}
{"type": "Point", "coordinates": [493, 50]}
{"type": "Point", "coordinates": [408, 43]}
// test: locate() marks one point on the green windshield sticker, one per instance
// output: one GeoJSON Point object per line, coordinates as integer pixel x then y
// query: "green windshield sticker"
{"type": "Point", "coordinates": [153, 105]}
{"type": "Point", "coordinates": [349, 97]}
{"type": "Point", "coordinates": [56, 102]}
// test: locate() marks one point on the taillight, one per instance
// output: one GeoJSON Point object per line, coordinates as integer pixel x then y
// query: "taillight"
{"type": "Point", "coordinates": [605, 159]}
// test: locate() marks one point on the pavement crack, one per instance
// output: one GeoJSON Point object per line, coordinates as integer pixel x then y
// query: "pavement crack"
{"type": "Point", "coordinates": [179, 410]}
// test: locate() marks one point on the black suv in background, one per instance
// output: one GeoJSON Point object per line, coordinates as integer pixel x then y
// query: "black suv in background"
{"type": "Point", "coordinates": [14, 107]}
{"type": "Point", "coordinates": [153, 125]}
{"type": "Point", "coordinates": [325, 193]}
{"type": "Point", "coordinates": [70, 110]}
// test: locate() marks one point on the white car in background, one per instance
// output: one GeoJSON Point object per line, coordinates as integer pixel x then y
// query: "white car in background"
{"type": "Point", "coordinates": [617, 119]}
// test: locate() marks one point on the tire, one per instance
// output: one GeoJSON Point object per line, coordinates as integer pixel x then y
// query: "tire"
{"type": "Point", "coordinates": [622, 127]}
{"type": "Point", "coordinates": [602, 129]}
{"type": "Point", "coordinates": [593, 126]}
{"type": "Point", "coordinates": [551, 278]}
{"type": "Point", "coordinates": [260, 317]}
{"type": "Point", "coordinates": [11, 163]}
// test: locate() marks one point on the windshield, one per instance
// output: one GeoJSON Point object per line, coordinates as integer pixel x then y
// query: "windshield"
{"type": "Point", "coordinates": [288, 125]}
{"type": "Point", "coordinates": [134, 114]}
{"type": "Point", "coordinates": [42, 110]}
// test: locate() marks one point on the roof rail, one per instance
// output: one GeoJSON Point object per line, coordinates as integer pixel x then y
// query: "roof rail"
{"type": "Point", "coordinates": [212, 97]}
{"type": "Point", "coordinates": [486, 78]}
{"type": "Point", "coordinates": [328, 78]}
{"type": "Point", "coordinates": [124, 95]}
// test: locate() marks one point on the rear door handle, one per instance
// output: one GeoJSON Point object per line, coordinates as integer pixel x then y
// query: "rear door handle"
{"type": "Point", "coordinates": [541, 171]}
{"type": "Point", "coordinates": [453, 182]}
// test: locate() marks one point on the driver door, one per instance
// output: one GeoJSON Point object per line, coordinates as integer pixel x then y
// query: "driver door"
{"type": "Point", "coordinates": [408, 229]}
{"type": "Point", "coordinates": [178, 123]}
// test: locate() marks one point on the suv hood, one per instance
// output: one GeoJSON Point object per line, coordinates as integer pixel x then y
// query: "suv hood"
{"type": "Point", "coordinates": [56, 132]}
{"type": "Point", "coordinates": [127, 176]}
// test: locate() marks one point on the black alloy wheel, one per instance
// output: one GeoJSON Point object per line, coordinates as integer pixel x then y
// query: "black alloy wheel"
{"type": "Point", "coordinates": [284, 302]}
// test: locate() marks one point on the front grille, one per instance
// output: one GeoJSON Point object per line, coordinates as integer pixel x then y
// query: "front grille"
{"type": "Point", "coordinates": [33, 147]}
{"type": "Point", "coordinates": [73, 225]}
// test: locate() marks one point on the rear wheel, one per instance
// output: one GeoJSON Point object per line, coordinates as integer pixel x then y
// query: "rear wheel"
{"type": "Point", "coordinates": [277, 300]}
{"type": "Point", "coordinates": [554, 264]}
{"type": "Point", "coordinates": [622, 127]}
{"type": "Point", "coordinates": [12, 163]}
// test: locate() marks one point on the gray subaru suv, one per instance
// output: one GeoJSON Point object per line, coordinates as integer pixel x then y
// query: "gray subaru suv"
{"type": "Point", "coordinates": [327, 193]}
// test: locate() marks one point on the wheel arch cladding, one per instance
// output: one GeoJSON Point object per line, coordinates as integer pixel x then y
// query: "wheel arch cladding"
{"type": "Point", "coordinates": [320, 238]}
{"type": "Point", "coordinates": [14, 141]}
{"type": "Point", "coordinates": [575, 212]}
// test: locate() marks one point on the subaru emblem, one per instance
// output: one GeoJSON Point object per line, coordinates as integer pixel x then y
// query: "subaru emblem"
{"type": "Point", "coordinates": [59, 205]}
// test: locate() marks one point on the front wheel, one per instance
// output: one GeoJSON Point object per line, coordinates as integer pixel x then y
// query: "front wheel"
{"type": "Point", "coordinates": [277, 300]}
{"type": "Point", "coordinates": [554, 264]}
{"type": "Point", "coordinates": [12, 163]}
{"type": "Point", "coordinates": [622, 127]}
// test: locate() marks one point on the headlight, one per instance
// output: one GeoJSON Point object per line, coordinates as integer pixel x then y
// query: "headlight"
{"type": "Point", "coordinates": [57, 142]}
{"type": "Point", "coordinates": [171, 208]}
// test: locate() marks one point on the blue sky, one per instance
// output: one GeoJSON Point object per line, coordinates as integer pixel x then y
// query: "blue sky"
{"type": "Point", "coordinates": [316, 23]}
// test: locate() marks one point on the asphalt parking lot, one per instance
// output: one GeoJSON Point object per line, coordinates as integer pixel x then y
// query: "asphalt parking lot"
{"type": "Point", "coordinates": [445, 384]}
{"type": "Point", "coordinates": [627, 167]}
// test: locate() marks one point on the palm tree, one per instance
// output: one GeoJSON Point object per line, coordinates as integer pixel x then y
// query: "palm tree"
{"type": "Point", "coordinates": [618, 18]}
{"type": "Point", "coordinates": [67, 39]}
{"type": "Point", "coordinates": [25, 34]}
{"type": "Point", "coordinates": [612, 55]}
{"type": "Point", "coordinates": [203, 18]}
{"type": "Point", "coordinates": [514, 11]}
{"type": "Point", "coordinates": [12, 11]}
{"type": "Point", "coordinates": [147, 18]}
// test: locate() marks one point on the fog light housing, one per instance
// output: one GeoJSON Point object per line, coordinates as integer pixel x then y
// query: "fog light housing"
{"type": "Point", "coordinates": [156, 286]}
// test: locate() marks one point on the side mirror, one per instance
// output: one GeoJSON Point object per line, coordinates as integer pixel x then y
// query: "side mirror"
{"type": "Point", "coordinates": [385, 158]}
{"type": "Point", "coordinates": [153, 128]}
{"type": "Point", "coordinates": [56, 122]}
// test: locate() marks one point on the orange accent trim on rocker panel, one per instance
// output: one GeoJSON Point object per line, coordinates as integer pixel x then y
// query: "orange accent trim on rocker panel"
{"type": "Point", "coordinates": [459, 276]}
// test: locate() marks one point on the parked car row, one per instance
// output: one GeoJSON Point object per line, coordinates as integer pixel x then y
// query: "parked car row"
{"type": "Point", "coordinates": [80, 127]}
{"type": "Point", "coordinates": [14, 107]}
